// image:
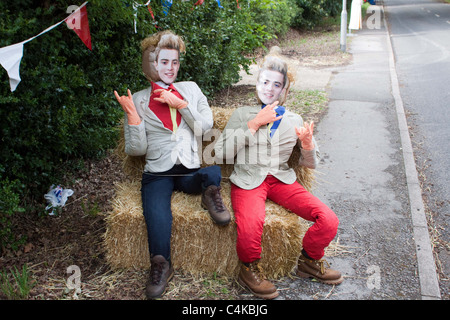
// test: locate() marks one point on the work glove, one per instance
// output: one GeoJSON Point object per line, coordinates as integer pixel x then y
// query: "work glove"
{"type": "Point", "coordinates": [265, 116]}
{"type": "Point", "coordinates": [305, 134]}
{"type": "Point", "coordinates": [128, 106]}
{"type": "Point", "coordinates": [165, 96]}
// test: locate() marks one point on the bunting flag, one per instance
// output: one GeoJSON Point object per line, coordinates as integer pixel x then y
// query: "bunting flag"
{"type": "Point", "coordinates": [166, 5]}
{"type": "Point", "coordinates": [147, 4]}
{"type": "Point", "coordinates": [153, 16]}
{"type": "Point", "coordinates": [200, 2]}
{"type": "Point", "coordinates": [78, 22]}
{"type": "Point", "coordinates": [151, 12]}
{"type": "Point", "coordinates": [11, 56]}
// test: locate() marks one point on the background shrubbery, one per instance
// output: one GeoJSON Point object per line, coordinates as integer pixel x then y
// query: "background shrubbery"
{"type": "Point", "coordinates": [311, 12]}
{"type": "Point", "coordinates": [64, 110]}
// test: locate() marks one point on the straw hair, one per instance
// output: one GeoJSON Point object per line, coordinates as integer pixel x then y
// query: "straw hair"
{"type": "Point", "coordinates": [151, 46]}
{"type": "Point", "coordinates": [199, 246]}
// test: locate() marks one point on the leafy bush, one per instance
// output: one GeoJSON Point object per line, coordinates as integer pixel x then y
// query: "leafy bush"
{"type": "Point", "coordinates": [9, 205]}
{"type": "Point", "coordinates": [216, 40]}
{"type": "Point", "coordinates": [311, 12]}
{"type": "Point", "coordinates": [276, 16]}
{"type": "Point", "coordinates": [64, 110]}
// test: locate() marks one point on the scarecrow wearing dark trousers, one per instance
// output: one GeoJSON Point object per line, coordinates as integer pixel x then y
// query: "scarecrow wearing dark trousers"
{"type": "Point", "coordinates": [260, 141]}
{"type": "Point", "coordinates": [160, 122]}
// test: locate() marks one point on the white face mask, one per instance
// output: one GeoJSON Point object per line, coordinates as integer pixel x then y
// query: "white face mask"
{"type": "Point", "coordinates": [269, 86]}
{"type": "Point", "coordinates": [168, 65]}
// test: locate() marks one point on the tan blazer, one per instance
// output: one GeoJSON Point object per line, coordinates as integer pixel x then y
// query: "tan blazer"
{"type": "Point", "coordinates": [162, 147]}
{"type": "Point", "coordinates": [256, 156]}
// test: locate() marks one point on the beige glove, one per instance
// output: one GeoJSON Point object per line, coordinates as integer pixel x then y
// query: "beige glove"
{"type": "Point", "coordinates": [265, 116]}
{"type": "Point", "coordinates": [129, 108]}
{"type": "Point", "coordinates": [305, 134]}
{"type": "Point", "coordinates": [172, 100]}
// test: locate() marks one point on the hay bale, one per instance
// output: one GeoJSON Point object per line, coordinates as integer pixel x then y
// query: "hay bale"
{"type": "Point", "coordinates": [125, 238]}
{"type": "Point", "coordinates": [198, 245]}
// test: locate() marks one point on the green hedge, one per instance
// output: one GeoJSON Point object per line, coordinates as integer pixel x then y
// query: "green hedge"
{"type": "Point", "coordinates": [64, 110]}
{"type": "Point", "coordinates": [311, 12]}
{"type": "Point", "coordinates": [216, 40]}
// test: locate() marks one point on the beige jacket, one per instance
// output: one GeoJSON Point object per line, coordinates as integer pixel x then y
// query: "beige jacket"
{"type": "Point", "coordinates": [256, 156]}
{"type": "Point", "coordinates": [162, 147]}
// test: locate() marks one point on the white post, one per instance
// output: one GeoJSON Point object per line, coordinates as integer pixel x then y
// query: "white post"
{"type": "Point", "coordinates": [344, 26]}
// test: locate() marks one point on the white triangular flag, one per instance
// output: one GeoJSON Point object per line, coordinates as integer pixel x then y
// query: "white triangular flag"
{"type": "Point", "coordinates": [10, 58]}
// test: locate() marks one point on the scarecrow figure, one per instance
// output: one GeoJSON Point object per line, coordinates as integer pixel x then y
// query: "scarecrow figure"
{"type": "Point", "coordinates": [260, 141]}
{"type": "Point", "coordinates": [165, 123]}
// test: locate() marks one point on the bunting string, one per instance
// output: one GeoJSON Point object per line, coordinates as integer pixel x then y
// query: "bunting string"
{"type": "Point", "coordinates": [11, 56]}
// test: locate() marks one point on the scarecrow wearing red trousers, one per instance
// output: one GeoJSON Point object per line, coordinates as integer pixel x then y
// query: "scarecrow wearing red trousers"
{"type": "Point", "coordinates": [260, 141]}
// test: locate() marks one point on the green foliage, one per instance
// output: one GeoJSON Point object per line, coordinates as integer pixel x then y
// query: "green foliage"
{"type": "Point", "coordinates": [63, 109]}
{"type": "Point", "coordinates": [9, 205]}
{"type": "Point", "coordinates": [311, 12]}
{"type": "Point", "coordinates": [276, 16]}
{"type": "Point", "coordinates": [19, 288]}
{"type": "Point", "coordinates": [216, 40]}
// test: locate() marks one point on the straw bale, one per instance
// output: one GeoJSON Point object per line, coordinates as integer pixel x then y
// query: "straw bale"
{"type": "Point", "coordinates": [198, 245]}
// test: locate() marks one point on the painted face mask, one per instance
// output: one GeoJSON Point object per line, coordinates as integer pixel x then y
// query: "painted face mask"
{"type": "Point", "coordinates": [168, 65]}
{"type": "Point", "coordinates": [269, 86]}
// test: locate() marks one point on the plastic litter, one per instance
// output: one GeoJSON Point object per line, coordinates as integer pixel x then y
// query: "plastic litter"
{"type": "Point", "coordinates": [57, 197]}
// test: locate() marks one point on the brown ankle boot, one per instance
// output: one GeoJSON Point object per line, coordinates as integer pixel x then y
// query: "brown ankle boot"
{"type": "Point", "coordinates": [212, 201]}
{"type": "Point", "coordinates": [161, 272]}
{"type": "Point", "coordinates": [309, 268]}
{"type": "Point", "coordinates": [251, 277]}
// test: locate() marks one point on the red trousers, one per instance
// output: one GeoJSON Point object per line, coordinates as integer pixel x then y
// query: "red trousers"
{"type": "Point", "coordinates": [249, 211]}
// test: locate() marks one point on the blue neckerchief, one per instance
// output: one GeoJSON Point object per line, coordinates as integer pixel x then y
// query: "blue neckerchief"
{"type": "Point", "coordinates": [280, 111]}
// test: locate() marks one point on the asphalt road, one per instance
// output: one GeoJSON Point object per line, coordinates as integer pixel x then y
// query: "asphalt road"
{"type": "Point", "coordinates": [420, 37]}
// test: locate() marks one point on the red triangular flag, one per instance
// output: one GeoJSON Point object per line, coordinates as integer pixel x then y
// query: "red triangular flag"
{"type": "Point", "coordinates": [78, 22]}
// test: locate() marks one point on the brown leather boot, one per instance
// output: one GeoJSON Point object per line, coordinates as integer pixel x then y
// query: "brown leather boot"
{"type": "Point", "coordinates": [161, 272]}
{"type": "Point", "coordinates": [252, 278]}
{"type": "Point", "coordinates": [309, 268]}
{"type": "Point", "coordinates": [212, 201]}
